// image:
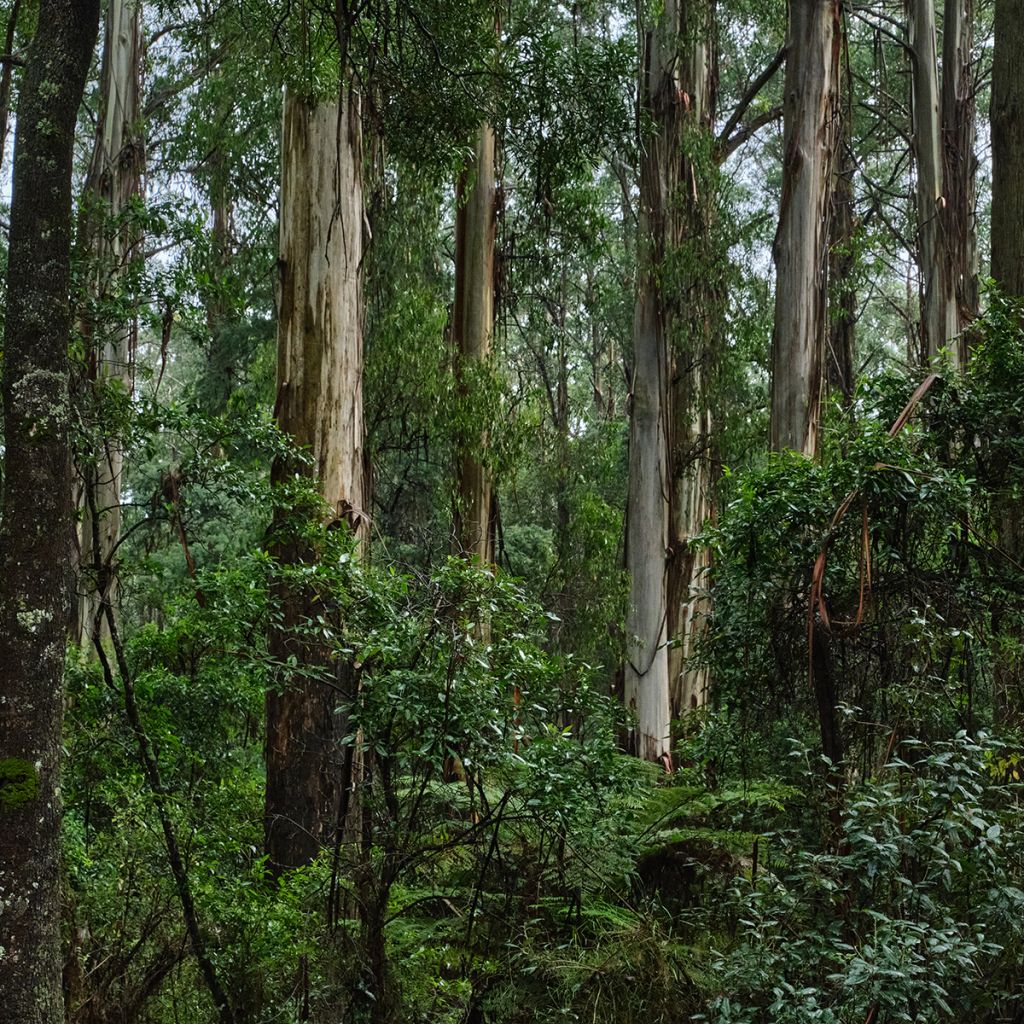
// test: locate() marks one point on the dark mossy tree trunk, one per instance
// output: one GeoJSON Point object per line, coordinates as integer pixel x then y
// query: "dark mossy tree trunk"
{"type": "Point", "coordinates": [1007, 115]}
{"type": "Point", "coordinates": [36, 568]}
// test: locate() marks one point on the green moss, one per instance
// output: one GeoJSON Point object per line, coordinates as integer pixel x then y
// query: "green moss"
{"type": "Point", "coordinates": [19, 783]}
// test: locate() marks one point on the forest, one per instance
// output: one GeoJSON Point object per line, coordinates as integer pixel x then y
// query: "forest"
{"type": "Point", "coordinates": [512, 511]}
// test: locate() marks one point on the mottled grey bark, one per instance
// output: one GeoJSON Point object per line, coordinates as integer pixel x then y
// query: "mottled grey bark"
{"type": "Point", "coordinates": [36, 525]}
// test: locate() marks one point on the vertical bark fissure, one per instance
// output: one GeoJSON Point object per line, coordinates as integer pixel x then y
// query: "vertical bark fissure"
{"type": "Point", "coordinates": [36, 567]}
{"type": "Point", "coordinates": [319, 405]}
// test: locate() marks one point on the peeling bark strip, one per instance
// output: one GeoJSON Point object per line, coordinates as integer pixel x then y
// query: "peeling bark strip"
{"type": "Point", "coordinates": [801, 243]}
{"type": "Point", "coordinates": [320, 405]}
{"type": "Point", "coordinates": [472, 333]}
{"type": "Point", "coordinates": [36, 524]}
{"type": "Point", "coordinates": [114, 179]}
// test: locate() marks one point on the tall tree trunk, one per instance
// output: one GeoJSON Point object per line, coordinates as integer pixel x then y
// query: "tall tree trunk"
{"type": "Point", "coordinates": [113, 181]}
{"type": "Point", "coordinates": [960, 166]}
{"type": "Point", "coordinates": [646, 681]}
{"type": "Point", "coordinates": [36, 570]}
{"type": "Point", "coordinates": [939, 317]}
{"type": "Point", "coordinates": [319, 404]}
{"type": "Point", "coordinates": [1007, 115]}
{"type": "Point", "coordinates": [801, 244]}
{"type": "Point", "coordinates": [693, 343]}
{"type": "Point", "coordinates": [472, 333]}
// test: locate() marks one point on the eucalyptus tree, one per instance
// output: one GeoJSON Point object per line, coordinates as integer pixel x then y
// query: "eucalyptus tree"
{"type": "Point", "coordinates": [669, 477]}
{"type": "Point", "coordinates": [109, 244]}
{"type": "Point", "coordinates": [343, 70]}
{"type": "Point", "coordinates": [944, 135]}
{"type": "Point", "coordinates": [801, 244]}
{"type": "Point", "coordinates": [36, 567]}
{"type": "Point", "coordinates": [319, 405]}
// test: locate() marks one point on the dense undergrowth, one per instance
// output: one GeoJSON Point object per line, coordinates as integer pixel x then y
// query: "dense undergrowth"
{"type": "Point", "coordinates": [500, 860]}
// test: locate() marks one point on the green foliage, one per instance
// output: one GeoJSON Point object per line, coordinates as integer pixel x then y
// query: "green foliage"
{"type": "Point", "coordinates": [917, 917]}
{"type": "Point", "coordinates": [19, 783]}
{"type": "Point", "coordinates": [500, 860]}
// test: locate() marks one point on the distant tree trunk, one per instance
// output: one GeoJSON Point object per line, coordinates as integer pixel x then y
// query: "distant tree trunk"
{"type": "Point", "coordinates": [113, 181]}
{"type": "Point", "coordinates": [939, 317]}
{"type": "Point", "coordinates": [693, 322]}
{"type": "Point", "coordinates": [319, 405]}
{"type": "Point", "coordinates": [960, 165]}
{"type": "Point", "coordinates": [472, 333]}
{"type": "Point", "coordinates": [840, 359]}
{"type": "Point", "coordinates": [36, 568]}
{"type": "Point", "coordinates": [1007, 115]}
{"type": "Point", "coordinates": [602, 360]}
{"type": "Point", "coordinates": [217, 302]}
{"type": "Point", "coordinates": [801, 244]}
